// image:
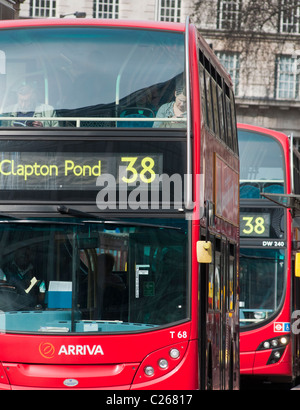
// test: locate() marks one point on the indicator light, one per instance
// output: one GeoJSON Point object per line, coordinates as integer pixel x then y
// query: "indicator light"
{"type": "Point", "coordinates": [149, 371]}
{"type": "Point", "coordinates": [174, 353]}
{"type": "Point", "coordinates": [266, 345]}
{"type": "Point", "coordinates": [283, 340]}
{"type": "Point", "coordinates": [163, 363]}
{"type": "Point", "coordinates": [277, 355]}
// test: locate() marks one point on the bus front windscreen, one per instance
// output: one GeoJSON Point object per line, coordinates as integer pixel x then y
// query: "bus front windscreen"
{"type": "Point", "coordinates": [88, 76]}
{"type": "Point", "coordinates": [68, 275]}
{"type": "Point", "coordinates": [262, 171]}
{"type": "Point", "coordinates": [262, 283]}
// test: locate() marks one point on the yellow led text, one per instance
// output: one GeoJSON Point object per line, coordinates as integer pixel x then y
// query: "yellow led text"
{"type": "Point", "coordinates": [82, 170]}
{"type": "Point", "coordinates": [11, 168]}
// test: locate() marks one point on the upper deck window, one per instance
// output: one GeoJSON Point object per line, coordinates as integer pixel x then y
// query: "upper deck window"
{"type": "Point", "coordinates": [289, 16]}
{"type": "Point", "coordinates": [89, 77]}
{"type": "Point", "coordinates": [261, 170]}
{"type": "Point", "coordinates": [229, 14]}
{"type": "Point", "coordinates": [108, 9]}
{"type": "Point", "coordinates": [231, 61]}
{"type": "Point", "coordinates": [170, 10]}
{"type": "Point", "coordinates": [42, 8]}
{"type": "Point", "coordinates": [287, 77]}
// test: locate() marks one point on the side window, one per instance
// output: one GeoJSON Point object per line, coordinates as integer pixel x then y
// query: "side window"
{"type": "Point", "coordinates": [221, 114]}
{"type": "Point", "coordinates": [215, 108]}
{"type": "Point", "coordinates": [233, 119]}
{"type": "Point", "coordinates": [203, 93]}
{"type": "Point", "coordinates": [209, 101]}
{"type": "Point", "coordinates": [228, 121]}
{"type": "Point", "coordinates": [217, 103]}
{"type": "Point", "coordinates": [296, 170]}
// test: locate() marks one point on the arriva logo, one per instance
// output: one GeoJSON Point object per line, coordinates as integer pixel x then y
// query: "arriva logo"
{"type": "Point", "coordinates": [47, 350]}
{"type": "Point", "coordinates": [80, 350]}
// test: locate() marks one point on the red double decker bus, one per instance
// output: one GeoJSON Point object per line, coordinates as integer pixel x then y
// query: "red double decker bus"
{"type": "Point", "coordinates": [269, 170]}
{"type": "Point", "coordinates": [118, 208]}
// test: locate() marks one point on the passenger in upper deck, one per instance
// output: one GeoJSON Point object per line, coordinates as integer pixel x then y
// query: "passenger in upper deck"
{"type": "Point", "coordinates": [28, 106]}
{"type": "Point", "coordinates": [149, 98]}
{"type": "Point", "coordinates": [173, 109]}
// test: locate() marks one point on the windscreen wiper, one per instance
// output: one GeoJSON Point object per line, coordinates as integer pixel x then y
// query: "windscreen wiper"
{"type": "Point", "coordinates": [38, 222]}
{"type": "Point", "coordinates": [8, 216]}
{"type": "Point", "coordinates": [80, 214]}
{"type": "Point", "coordinates": [64, 210]}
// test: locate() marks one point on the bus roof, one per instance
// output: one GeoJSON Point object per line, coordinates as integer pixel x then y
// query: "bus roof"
{"type": "Point", "coordinates": [157, 25]}
{"type": "Point", "coordinates": [277, 134]}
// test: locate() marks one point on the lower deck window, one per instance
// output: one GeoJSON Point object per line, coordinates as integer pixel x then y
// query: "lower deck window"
{"type": "Point", "coordinates": [58, 276]}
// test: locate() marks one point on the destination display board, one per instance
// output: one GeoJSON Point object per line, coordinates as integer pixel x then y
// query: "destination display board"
{"type": "Point", "coordinates": [68, 170]}
{"type": "Point", "coordinates": [73, 170]}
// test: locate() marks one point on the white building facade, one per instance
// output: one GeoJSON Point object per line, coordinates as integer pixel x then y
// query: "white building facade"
{"type": "Point", "coordinates": [259, 44]}
{"type": "Point", "coordinates": [168, 10]}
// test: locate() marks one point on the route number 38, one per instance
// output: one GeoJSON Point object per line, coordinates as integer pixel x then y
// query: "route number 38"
{"type": "Point", "coordinates": [144, 170]}
{"type": "Point", "coordinates": [256, 225]}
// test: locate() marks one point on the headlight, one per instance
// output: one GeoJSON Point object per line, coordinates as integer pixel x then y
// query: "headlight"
{"type": "Point", "coordinates": [163, 363]}
{"type": "Point", "coordinates": [276, 355]}
{"type": "Point", "coordinates": [149, 371]}
{"type": "Point", "coordinates": [174, 353]}
{"type": "Point", "coordinates": [274, 343]}
{"type": "Point", "coordinates": [284, 340]}
{"type": "Point", "coordinates": [277, 346]}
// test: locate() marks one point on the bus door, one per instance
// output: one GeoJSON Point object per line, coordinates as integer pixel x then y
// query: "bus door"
{"type": "Point", "coordinates": [226, 282]}
{"type": "Point", "coordinates": [221, 293]}
{"type": "Point", "coordinates": [205, 303]}
{"type": "Point", "coordinates": [218, 311]}
{"type": "Point", "coordinates": [223, 313]}
{"type": "Point", "coordinates": [214, 317]}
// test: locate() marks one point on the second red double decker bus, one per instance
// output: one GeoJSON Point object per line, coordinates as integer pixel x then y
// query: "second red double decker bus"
{"type": "Point", "coordinates": [268, 297]}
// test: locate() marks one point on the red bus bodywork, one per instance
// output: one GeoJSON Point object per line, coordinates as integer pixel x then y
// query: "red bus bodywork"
{"type": "Point", "coordinates": [118, 361]}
